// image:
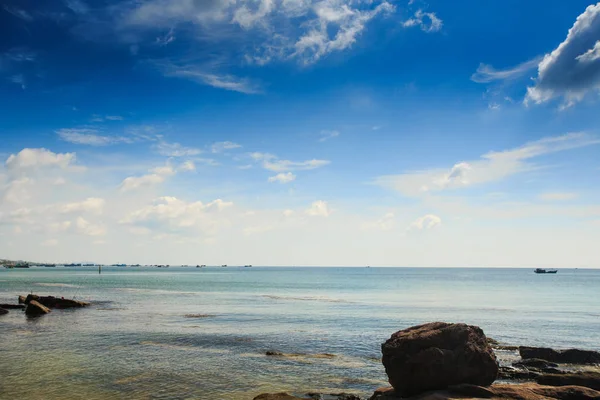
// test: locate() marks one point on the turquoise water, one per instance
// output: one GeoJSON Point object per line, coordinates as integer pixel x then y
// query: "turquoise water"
{"type": "Point", "coordinates": [137, 343]}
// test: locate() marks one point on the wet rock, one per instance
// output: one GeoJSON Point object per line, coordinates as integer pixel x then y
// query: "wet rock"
{"type": "Point", "coordinates": [35, 309]}
{"type": "Point", "coordinates": [571, 356]}
{"type": "Point", "coordinates": [274, 353]}
{"type": "Point", "coordinates": [587, 379]}
{"type": "Point", "coordinates": [55, 302]}
{"type": "Point", "coordinates": [3, 311]}
{"type": "Point", "coordinates": [517, 374]}
{"type": "Point", "coordinates": [277, 396]}
{"type": "Point", "coordinates": [12, 306]}
{"type": "Point", "coordinates": [524, 391]}
{"type": "Point", "coordinates": [438, 355]}
{"type": "Point", "coordinates": [535, 363]}
{"type": "Point", "coordinates": [22, 299]}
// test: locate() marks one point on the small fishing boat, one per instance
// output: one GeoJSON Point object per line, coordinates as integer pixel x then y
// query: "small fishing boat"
{"type": "Point", "coordinates": [248, 266]}
{"type": "Point", "coordinates": [224, 266]}
{"type": "Point", "coordinates": [545, 271]}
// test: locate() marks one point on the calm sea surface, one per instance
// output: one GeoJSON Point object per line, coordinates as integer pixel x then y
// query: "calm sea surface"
{"type": "Point", "coordinates": [137, 343]}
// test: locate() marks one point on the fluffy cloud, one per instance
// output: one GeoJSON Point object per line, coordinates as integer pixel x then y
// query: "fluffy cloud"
{"type": "Point", "coordinates": [428, 221]}
{"type": "Point", "coordinates": [174, 215]}
{"type": "Point", "coordinates": [92, 205]}
{"type": "Point", "coordinates": [273, 163]}
{"type": "Point", "coordinates": [154, 177]}
{"type": "Point", "coordinates": [319, 208]}
{"type": "Point", "coordinates": [490, 167]}
{"type": "Point", "coordinates": [28, 159]}
{"type": "Point", "coordinates": [305, 30]}
{"type": "Point", "coordinates": [428, 22]}
{"type": "Point", "coordinates": [572, 70]}
{"type": "Point", "coordinates": [84, 227]}
{"type": "Point", "coordinates": [284, 177]}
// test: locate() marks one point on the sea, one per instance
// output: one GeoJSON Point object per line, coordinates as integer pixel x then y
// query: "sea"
{"type": "Point", "coordinates": [203, 333]}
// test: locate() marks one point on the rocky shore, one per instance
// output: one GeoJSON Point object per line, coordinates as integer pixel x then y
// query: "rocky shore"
{"type": "Point", "coordinates": [439, 361]}
{"type": "Point", "coordinates": [35, 306]}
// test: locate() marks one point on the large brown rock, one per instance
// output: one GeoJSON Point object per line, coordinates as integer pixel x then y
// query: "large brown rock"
{"type": "Point", "coordinates": [525, 391]}
{"type": "Point", "coordinates": [571, 356]}
{"type": "Point", "coordinates": [438, 355]}
{"type": "Point", "coordinates": [35, 309]}
{"type": "Point", "coordinates": [587, 379]}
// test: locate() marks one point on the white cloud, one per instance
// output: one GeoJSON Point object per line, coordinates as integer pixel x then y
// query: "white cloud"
{"type": "Point", "coordinates": [174, 215]}
{"type": "Point", "coordinates": [428, 221]}
{"type": "Point", "coordinates": [50, 243]}
{"type": "Point", "coordinates": [92, 205]}
{"type": "Point", "coordinates": [156, 176]}
{"type": "Point", "coordinates": [558, 196]}
{"type": "Point", "coordinates": [572, 70]}
{"type": "Point", "coordinates": [214, 79]}
{"type": "Point", "coordinates": [273, 163]}
{"type": "Point", "coordinates": [319, 208]}
{"type": "Point", "coordinates": [486, 73]}
{"type": "Point", "coordinates": [28, 159]}
{"type": "Point", "coordinates": [187, 166]}
{"type": "Point", "coordinates": [326, 135]}
{"type": "Point", "coordinates": [90, 137]}
{"type": "Point", "coordinates": [175, 150]}
{"type": "Point", "coordinates": [270, 30]}
{"type": "Point", "coordinates": [385, 223]}
{"type": "Point", "coordinates": [490, 167]}
{"type": "Point", "coordinates": [428, 21]}
{"type": "Point", "coordinates": [220, 147]}
{"type": "Point", "coordinates": [283, 177]}
{"type": "Point", "coordinates": [84, 227]}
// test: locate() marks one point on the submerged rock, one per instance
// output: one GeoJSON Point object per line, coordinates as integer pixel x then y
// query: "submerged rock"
{"type": "Point", "coordinates": [571, 356]}
{"type": "Point", "coordinates": [55, 302]}
{"type": "Point", "coordinates": [35, 309]}
{"type": "Point", "coordinates": [524, 391]}
{"type": "Point", "coordinates": [587, 379]}
{"type": "Point", "coordinates": [438, 355]}
{"type": "Point", "coordinates": [12, 306]}
{"type": "Point", "coordinates": [3, 311]}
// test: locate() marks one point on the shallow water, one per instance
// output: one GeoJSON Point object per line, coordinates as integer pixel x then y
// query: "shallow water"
{"type": "Point", "coordinates": [138, 341]}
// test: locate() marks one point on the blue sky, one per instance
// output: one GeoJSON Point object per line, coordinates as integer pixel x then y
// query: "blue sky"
{"type": "Point", "coordinates": [301, 132]}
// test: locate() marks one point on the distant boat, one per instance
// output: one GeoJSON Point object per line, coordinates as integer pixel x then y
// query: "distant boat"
{"type": "Point", "coordinates": [248, 266]}
{"type": "Point", "coordinates": [21, 266]}
{"type": "Point", "coordinates": [545, 271]}
{"type": "Point", "coordinates": [224, 266]}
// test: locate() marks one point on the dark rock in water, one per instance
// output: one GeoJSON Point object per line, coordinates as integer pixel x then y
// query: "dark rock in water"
{"type": "Point", "coordinates": [571, 356]}
{"type": "Point", "coordinates": [517, 374]}
{"type": "Point", "coordinates": [22, 299]}
{"type": "Point", "coordinates": [586, 379]}
{"type": "Point", "coordinates": [438, 355]}
{"type": "Point", "coordinates": [35, 309]}
{"type": "Point", "coordinates": [524, 391]}
{"type": "Point", "coordinates": [535, 363]}
{"type": "Point", "coordinates": [274, 353]}
{"type": "Point", "coordinates": [55, 302]}
{"type": "Point", "coordinates": [12, 306]}
{"type": "Point", "coordinates": [3, 311]}
{"type": "Point", "coordinates": [276, 396]}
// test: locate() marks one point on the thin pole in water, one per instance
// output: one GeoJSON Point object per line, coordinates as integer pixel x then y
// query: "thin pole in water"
{"type": "Point", "coordinates": [99, 269]}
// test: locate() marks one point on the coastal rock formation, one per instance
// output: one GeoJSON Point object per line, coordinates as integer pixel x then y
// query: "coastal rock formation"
{"type": "Point", "coordinates": [438, 355]}
{"type": "Point", "coordinates": [12, 306]}
{"type": "Point", "coordinates": [3, 311]}
{"type": "Point", "coordinates": [314, 396]}
{"type": "Point", "coordinates": [517, 374]}
{"type": "Point", "coordinates": [525, 391]}
{"type": "Point", "coordinates": [587, 379]}
{"type": "Point", "coordinates": [571, 356]}
{"type": "Point", "coordinates": [22, 299]}
{"type": "Point", "coordinates": [55, 302]}
{"type": "Point", "coordinates": [35, 309]}
{"type": "Point", "coordinates": [535, 363]}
